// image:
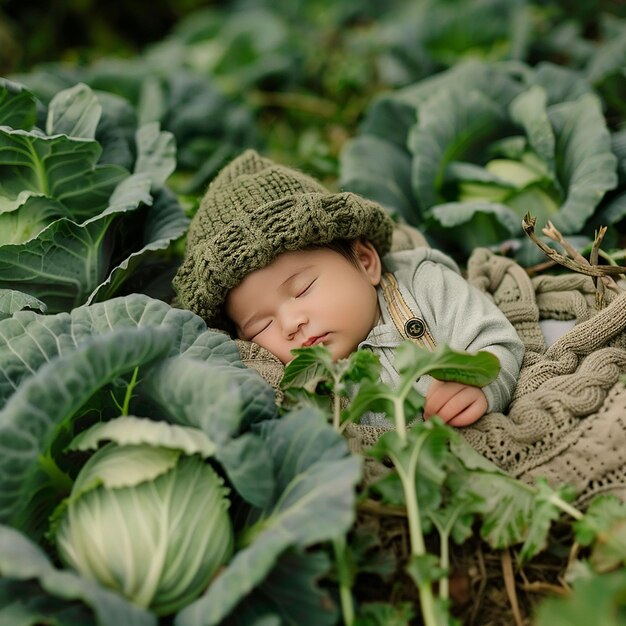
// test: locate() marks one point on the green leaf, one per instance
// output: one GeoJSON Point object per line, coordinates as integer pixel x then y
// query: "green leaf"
{"type": "Point", "coordinates": [17, 106]}
{"type": "Point", "coordinates": [74, 112]}
{"type": "Point", "coordinates": [32, 217]}
{"type": "Point", "coordinates": [587, 166]}
{"type": "Point", "coordinates": [604, 528]}
{"type": "Point", "coordinates": [59, 167]}
{"type": "Point", "coordinates": [512, 512]}
{"type": "Point", "coordinates": [599, 600]}
{"type": "Point", "coordinates": [24, 603]}
{"type": "Point", "coordinates": [66, 261]}
{"type": "Point", "coordinates": [33, 415]}
{"type": "Point", "coordinates": [529, 111]}
{"type": "Point", "coordinates": [131, 430]}
{"type": "Point", "coordinates": [20, 559]}
{"type": "Point", "coordinates": [12, 301]}
{"type": "Point", "coordinates": [164, 223]}
{"type": "Point", "coordinates": [381, 614]}
{"type": "Point", "coordinates": [309, 367]}
{"type": "Point", "coordinates": [156, 152]}
{"type": "Point", "coordinates": [29, 340]}
{"type": "Point", "coordinates": [386, 179]}
{"type": "Point", "coordinates": [450, 124]}
{"type": "Point", "coordinates": [315, 502]}
{"type": "Point", "coordinates": [424, 569]}
{"type": "Point", "coordinates": [291, 593]}
{"type": "Point", "coordinates": [474, 223]}
{"type": "Point", "coordinates": [446, 364]}
{"type": "Point", "coordinates": [126, 466]}
{"type": "Point", "coordinates": [222, 401]}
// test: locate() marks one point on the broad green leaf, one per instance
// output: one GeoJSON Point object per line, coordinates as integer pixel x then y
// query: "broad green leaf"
{"type": "Point", "coordinates": [24, 603]}
{"type": "Point", "coordinates": [219, 399]}
{"type": "Point", "coordinates": [165, 222]}
{"type": "Point", "coordinates": [250, 468]}
{"type": "Point", "coordinates": [116, 130]}
{"type": "Point", "coordinates": [587, 166]}
{"type": "Point", "coordinates": [222, 401]}
{"type": "Point", "coordinates": [13, 301]}
{"type": "Point", "coordinates": [20, 559]}
{"type": "Point", "coordinates": [47, 401]}
{"type": "Point", "coordinates": [512, 512]}
{"type": "Point", "coordinates": [59, 167]}
{"type": "Point", "coordinates": [450, 125]}
{"type": "Point", "coordinates": [123, 466]}
{"type": "Point", "coordinates": [598, 600]}
{"type": "Point", "coordinates": [28, 340]}
{"type": "Point", "coordinates": [17, 106]}
{"type": "Point", "coordinates": [291, 593]}
{"type": "Point", "coordinates": [67, 261]}
{"type": "Point", "coordinates": [156, 152]}
{"type": "Point", "coordinates": [377, 169]}
{"type": "Point", "coordinates": [30, 219]}
{"type": "Point", "coordinates": [130, 430]}
{"type": "Point", "coordinates": [316, 497]}
{"type": "Point", "coordinates": [474, 223]}
{"type": "Point", "coordinates": [446, 364]}
{"type": "Point", "coordinates": [74, 112]}
{"type": "Point", "coordinates": [529, 111]}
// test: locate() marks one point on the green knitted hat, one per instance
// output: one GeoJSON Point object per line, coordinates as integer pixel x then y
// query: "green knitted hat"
{"type": "Point", "coordinates": [253, 211]}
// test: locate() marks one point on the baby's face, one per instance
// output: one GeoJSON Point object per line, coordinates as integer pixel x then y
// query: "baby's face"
{"type": "Point", "coordinates": [308, 297]}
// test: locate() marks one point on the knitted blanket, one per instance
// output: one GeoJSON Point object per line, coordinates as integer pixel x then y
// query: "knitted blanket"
{"type": "Point", "coordinates": [567, 418]}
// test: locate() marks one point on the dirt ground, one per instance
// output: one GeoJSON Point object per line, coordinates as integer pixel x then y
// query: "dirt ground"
{"type": "Point", "coordinates": [487, 587]}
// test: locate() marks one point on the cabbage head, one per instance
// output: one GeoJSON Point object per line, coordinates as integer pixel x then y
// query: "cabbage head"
{"type": "Point", "coordinates": [150, 522]}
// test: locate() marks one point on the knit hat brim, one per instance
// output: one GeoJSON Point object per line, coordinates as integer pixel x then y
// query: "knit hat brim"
{"type": "Point", "coordinates": [227, 245]}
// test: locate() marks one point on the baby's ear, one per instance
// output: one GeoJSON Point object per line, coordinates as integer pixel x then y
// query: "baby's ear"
{"type": "Point", "coordinates": [369, 259]}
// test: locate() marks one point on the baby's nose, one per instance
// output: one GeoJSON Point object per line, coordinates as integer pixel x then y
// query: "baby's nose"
{"type": "Point", "coordinates": [294, 318]}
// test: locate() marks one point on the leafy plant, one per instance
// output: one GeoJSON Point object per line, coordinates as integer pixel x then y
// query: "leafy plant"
{"type": "Point", "coordinates": [75, 223]}
{"type": "Point", "coordinates": [450, 489]}
{"type": "Point", "coordinates": [64, 377]}
{"type": "Point", "coordinates": [464, 154]}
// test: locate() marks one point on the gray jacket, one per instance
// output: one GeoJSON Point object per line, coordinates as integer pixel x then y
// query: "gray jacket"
{"type": "Point", "coordinates": [439, 306]}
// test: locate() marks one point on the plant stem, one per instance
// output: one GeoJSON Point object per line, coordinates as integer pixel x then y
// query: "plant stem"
{"type": "Point", "coordinates": [444, 563]}
{"type": "Point", "coordinates": [129, 392]}
{"type": "Point", "coordinates": [565, 507]}
{"type": "Point", "coordinates": [416, 537]}
{"type": "Point", "coordinates": [336, 411]}
{"type": "Point", "coordinates": [398, 414]}
{"type": "Point", "coordinates": [58, 478]}
{"type": "Point", "coordinates": [343, 573]}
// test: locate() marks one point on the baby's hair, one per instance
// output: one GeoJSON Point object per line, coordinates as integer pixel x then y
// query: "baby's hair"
{"type": "Point", "coordinates": [344, 247]}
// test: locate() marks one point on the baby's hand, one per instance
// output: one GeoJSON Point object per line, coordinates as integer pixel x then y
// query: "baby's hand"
{"type": "Point", "coordinates": [455, 403]}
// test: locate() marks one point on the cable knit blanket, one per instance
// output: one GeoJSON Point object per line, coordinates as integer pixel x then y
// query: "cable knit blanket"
{"type": "Point", "coordinates": [567, 419]}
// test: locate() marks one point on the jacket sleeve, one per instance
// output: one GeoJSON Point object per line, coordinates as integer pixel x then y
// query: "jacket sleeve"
{"type": "Point", "coordinates": [463, 317]}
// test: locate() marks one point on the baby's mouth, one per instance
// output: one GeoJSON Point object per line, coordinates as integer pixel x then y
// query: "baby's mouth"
{"type": "Point", "coordinates": [312, 341]}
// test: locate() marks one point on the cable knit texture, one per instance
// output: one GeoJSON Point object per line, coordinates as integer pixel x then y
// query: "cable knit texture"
{"type": "Point", "coordinates": [255, 209]}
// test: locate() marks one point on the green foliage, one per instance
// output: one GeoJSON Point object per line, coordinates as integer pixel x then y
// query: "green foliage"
{"type": "Point", "coordinates": [64, 195]}
{"type": "Point", "coordinates": [482, 143]}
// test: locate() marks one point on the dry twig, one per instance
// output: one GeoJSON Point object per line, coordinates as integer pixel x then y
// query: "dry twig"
{"type": "Point", "coordinates": [528, 224]}
{"type": "Point", "coordinates": [509, 585]}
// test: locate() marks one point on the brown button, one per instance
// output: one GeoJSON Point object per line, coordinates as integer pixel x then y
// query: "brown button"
{"type": "Point", "coordinates": [415, 328]}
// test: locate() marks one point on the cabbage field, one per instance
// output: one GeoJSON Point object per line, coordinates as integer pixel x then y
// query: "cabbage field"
{"type": "Point", "coordinates": [147, 476]}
